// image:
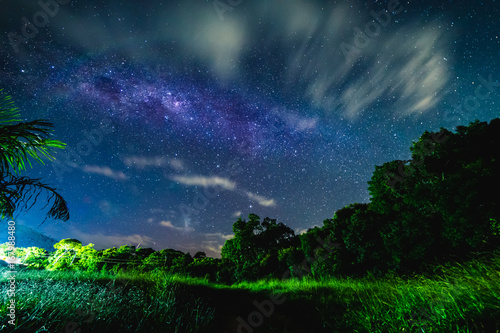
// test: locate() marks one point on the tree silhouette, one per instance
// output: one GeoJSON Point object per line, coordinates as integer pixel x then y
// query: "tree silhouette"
{"type": "Point", "coordinates": [255, 248]}
{"type": "Point", "coordinates": [439, 205]}
{"type": "Point", "coordinates": [19, 143]}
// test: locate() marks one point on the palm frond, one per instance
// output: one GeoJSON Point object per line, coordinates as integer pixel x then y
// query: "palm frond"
{"type": "Point", "coordinates": [22, 193]}
{"type": "Point", "coordinates": [21, 142]}
{"type": "Point", "coordinates": [8, 111]}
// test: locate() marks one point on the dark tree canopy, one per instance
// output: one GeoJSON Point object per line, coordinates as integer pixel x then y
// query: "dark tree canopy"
{"type": "Point", "coordinates": [436, 207]}
{"type": "Point", "coordinates": [255, 247]}
{"type": "Point", "coordinates": [439, 204]}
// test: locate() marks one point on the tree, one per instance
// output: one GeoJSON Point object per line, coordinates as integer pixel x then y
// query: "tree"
{"type": "Point", "coordinates": [348, 244]}
{"type": "Point", "coordinates": [65, 255]}
{"type": "Point", "coordinates": [124, 257]}
{"type": "Point", "coordinates": [36, 257]}
{"type": "Point", "coordinates": [161, 260]}
{"type": "Point", "coordinates": [32, 257]}
{"type": "Point", "coordinates": [204, 267]}
{"type": "Point", "coordinates": [199, 255]}
{"type": "Point", "coordinates": [239, 249]}
{"type": "Point", "coordinates": [438, 205]}
{"type": "Point", "coordinates": [19, 143]}
{"type": "Point", "coordinates": [255, 247]}
{"type": "Point", "coordinates": [180, 264]}
{"type": "Point", "coordinates": [87, 258]}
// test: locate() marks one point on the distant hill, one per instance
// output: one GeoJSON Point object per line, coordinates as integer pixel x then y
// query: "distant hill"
{"type": "Point", "coordinates": [26, 237]}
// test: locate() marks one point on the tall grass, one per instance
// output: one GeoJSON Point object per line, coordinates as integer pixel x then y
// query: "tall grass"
{"type": "Point", "coordinates": [52, 301]}
{"type": "Point", "coordinates": [457, 298]}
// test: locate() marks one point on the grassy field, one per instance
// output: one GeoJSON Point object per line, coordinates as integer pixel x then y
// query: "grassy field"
{"type": "Point", "coordinates": [457, 298]}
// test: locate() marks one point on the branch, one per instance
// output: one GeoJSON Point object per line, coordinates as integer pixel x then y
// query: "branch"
{"type": "Point", "coordinates": [16, 193]}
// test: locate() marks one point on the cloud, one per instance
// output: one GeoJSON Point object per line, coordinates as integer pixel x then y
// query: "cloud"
{"type": "Point", "coordinates": [105, 171]}
{"type": "Point", "coordinates": [263, 201]}
{"type": "Point", "coordinates": [200, 32]}
{"type": "Point", "coordinates": [141, 162]}
{"type": "Point", "coordinates": [279, 119]}
{"type": "Point", "coordinates": [300, 123]}
{"type": "Point", "coordinates": [205, 181]}
{"type": "Point", "coordinates": [225, 184]}
{"type": "Point", "coordinates": [168, 224]}
{"type": "Point", "coordinates": [220, 235]}
{"type": "Point", "coordinates": [408, 72]}
{"type": "Point", "coordinates": [176, 164]}
{"type": "Point", "coordinates": [402, 65]}
{"type": "Point", "coordinates": [405, 69]}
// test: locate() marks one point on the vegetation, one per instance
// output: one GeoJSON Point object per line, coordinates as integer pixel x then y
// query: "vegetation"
{"type": "Point", "coordinates": [94, 302]}
{"type": "Point", "coordinates": [457, 298]}
{"type": "Point", "coordinates": [20, 142]}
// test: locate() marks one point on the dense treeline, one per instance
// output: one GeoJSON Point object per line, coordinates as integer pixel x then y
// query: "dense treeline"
{"type": "Point", "coordinates": [437, 207]}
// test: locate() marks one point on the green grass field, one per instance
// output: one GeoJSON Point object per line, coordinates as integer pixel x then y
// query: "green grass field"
{"type": "Point", "coordinates": [457, 298]}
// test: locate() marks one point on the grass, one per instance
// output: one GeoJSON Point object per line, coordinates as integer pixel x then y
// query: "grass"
{"type": "Point", "coordinates": [52, 301]}
{"type": "Point", "coordinates": [457, 298]}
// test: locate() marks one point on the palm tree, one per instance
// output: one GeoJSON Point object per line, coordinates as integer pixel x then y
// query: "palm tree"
{"type": "Point", "coordinates": [19, 143]}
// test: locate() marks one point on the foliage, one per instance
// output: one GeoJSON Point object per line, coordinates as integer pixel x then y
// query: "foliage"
{"type": "Point", "coordinates": [19, 143]}
{"type": "Point", "coordinates": [93, 302]}
{"type": "Point", "coordinates": [124, 257]}
{"type": "Point", "coordinates": [457, 298]}
{"type": "Point", "coordinates": [160, 260]}
{"type": "Point", "coordinates": [65, 255]}
{"type": "Point", "coordinates": [255, 248]}
{"type": "Point", "coordinates": [204, 268]}
{"type": "Point", "coordinates": [32, 257]}
{"type": "Point", "coordinates": [439, 205]}
{"type": "Point", "coordinates": [180, 264]}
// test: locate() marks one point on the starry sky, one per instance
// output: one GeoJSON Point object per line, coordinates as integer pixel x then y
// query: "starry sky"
{"type": "Point", "coordinates": [181, 116]}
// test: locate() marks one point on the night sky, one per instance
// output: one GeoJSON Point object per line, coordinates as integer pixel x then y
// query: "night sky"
{"type": "Point", "coordinates": [181, 116]}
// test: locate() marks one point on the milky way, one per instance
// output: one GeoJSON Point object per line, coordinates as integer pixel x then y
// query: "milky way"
{"type": "Point", "coordinates": [180, 118]}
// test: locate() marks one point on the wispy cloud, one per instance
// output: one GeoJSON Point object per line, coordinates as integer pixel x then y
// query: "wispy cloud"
{"type": "Point", "coordinates": [407, 72]}
{"type": "Point", "coordinates": [108, 208]}
{"type": "Point", "coordinates": [219, 44]}
{"type": "Point", "coordinates": [176, 164]}
{"type": "Point", "coordinates": [105, 171]}
{"type": "Point", "coordinates": [261, 200]}
{"type": "Point", "coordinates": [168, 224]}
{"type": "Point", "coordinates": [289, 120]}
{"type": "Point", "coordinates": [142, 162]}
{"type": "Point", "coordinates": [219, 235]}
{"type": "Point", "coordinates": [205, 181]}
{"type": "Point", "coordinates": [225, 183]}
